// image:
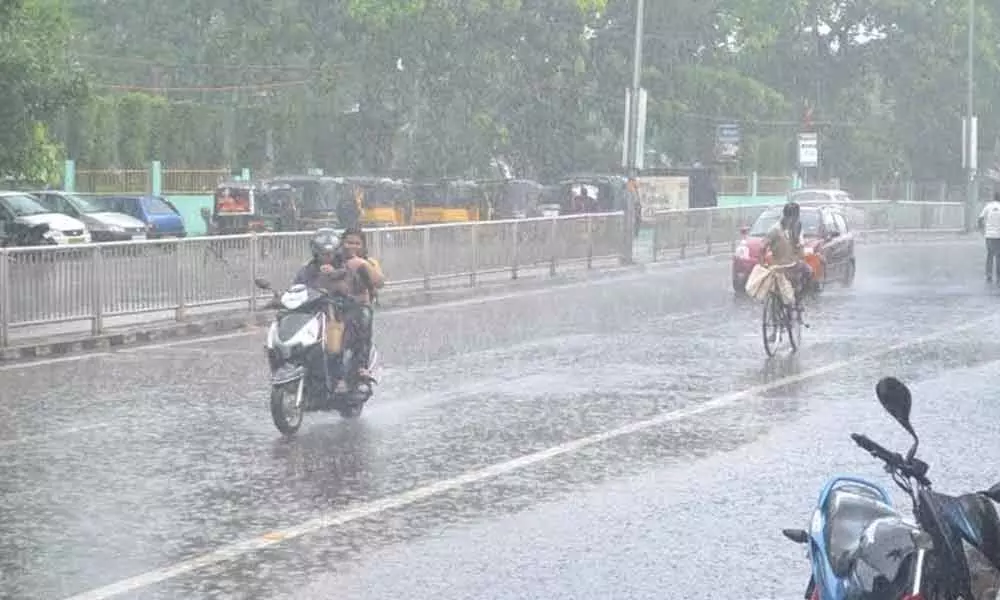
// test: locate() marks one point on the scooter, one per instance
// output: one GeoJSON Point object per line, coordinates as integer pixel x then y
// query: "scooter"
{"type": "Point", "coordinates": [309, 356]}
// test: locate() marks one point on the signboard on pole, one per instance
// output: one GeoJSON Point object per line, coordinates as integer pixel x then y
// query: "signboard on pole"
{"type": "Point", "coordinates": [727, 141]}
{"type": "Point", "coordinates": [808, 150]}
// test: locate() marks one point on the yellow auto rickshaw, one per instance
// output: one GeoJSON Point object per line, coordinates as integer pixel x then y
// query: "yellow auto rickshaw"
{"type": "Point", "coordinates": [382, 200]}
{"type": "Point", "coordinates": [428, 202]}
{"type": "Point", "coordinates": [463, 201]}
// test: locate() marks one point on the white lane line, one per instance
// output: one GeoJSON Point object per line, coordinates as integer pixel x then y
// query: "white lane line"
{"type": "Point", "coordinates": [54, 434]}
{"type": "Point", "coordinates": [52, 361]}
{"type": "Point", "coordinates": [234, 551]}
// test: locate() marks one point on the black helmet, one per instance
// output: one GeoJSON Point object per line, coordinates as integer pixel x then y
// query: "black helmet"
{"type": "Point", "coordinates": [790, 210]}
{"type": "Point", "coordinates": [324, 241]}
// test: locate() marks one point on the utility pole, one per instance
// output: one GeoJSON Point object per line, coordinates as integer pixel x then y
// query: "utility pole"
{"type": "Point", "coordinates": [635, 122]}
{"type": "Point", "coordinates": [971, 127]}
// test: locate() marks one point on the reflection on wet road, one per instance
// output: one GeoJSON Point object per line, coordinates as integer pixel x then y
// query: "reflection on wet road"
{"type": "Point", "coordinates": [626, 439]}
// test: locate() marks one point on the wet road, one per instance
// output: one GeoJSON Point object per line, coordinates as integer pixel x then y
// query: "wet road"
{"type": "Point", "coordinates": [480, 470]}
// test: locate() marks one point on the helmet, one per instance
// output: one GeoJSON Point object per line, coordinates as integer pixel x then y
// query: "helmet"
{"type": "Point", "coordinates": [790, 210]}
{"type": "Point", "coordinates": [324, 242]}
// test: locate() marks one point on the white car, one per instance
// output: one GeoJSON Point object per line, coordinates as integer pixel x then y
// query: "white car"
{"type": "Point", "coordinates": [855, 212]}
{"type": "Point", "coordinates": [19, 211]}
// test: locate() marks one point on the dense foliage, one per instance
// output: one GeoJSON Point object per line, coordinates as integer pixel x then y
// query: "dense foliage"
{"type": "Point", "coordinates": [438, 87]}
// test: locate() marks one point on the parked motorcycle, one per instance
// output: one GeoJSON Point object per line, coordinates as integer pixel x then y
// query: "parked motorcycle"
{"type": "Point", "coordinates": [300, 343]}
{"type": "Point", "coordinates": [860, 547]}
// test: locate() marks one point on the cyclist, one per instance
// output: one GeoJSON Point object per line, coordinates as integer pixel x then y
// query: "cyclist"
{"type": "Point", "coordinates": [784, 239]}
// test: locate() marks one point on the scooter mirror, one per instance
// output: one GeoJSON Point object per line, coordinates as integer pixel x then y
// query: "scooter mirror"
{"type": "Point", "coordinates": [262, 283]}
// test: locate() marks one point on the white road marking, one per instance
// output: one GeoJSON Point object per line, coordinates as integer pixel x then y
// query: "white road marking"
{"type": "Point", "coordinates": [53, 361]}
{"type": "Point", "coordinates": [237, 550]}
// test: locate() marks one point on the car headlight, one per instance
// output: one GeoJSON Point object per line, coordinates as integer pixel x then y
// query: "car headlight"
{"type": "Point", "coordinates": [743, 252]}
{"type": "Point", "coordinates": [116, 229]}
{"type": "Point", "coordinates": [53, 234]}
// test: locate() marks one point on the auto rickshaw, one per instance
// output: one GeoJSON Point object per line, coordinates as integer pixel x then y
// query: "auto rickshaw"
{"type": "Point", "coordinates": [517, 199]}
{"type": "Point", "coordinates": [382, 201]}
{"type": "Point", "coordinates": [313, 201]}
{"type": "Point", "coordinates": [463, 201]}
{"type": "Point", "coordinates": [241, 207]}
{"type": "Point", "coordinates": [428, 202]}
{"type": "Point", "coordinates": [609, 193]}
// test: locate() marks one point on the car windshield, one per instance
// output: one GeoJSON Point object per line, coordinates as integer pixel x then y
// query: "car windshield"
{"type": "Point", "coordinates": [809, 218]}
{"type": "Point", "coordinates": [85, 205]}
{"type": "Point", "coordinates": [23, 205]}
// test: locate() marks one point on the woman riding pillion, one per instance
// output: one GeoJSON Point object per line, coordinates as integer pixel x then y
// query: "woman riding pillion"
{"type": "Point", "coordinates": [341, 266]}
{"type": "Point", "coordinates": [785, 241]}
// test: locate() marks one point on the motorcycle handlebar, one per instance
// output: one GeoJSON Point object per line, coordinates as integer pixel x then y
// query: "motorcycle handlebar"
{"type": "Point", "coordinates": [911, 468]}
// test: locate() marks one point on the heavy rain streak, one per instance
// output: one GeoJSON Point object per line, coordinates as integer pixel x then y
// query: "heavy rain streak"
{"type": "Point", "coordinates": [574, 396]}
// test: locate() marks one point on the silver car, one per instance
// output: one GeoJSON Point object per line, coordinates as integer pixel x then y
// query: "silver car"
{"type": "Point", "coordinates": [19, 211]}
{"type": "Point", "coordinates": [104, 225]}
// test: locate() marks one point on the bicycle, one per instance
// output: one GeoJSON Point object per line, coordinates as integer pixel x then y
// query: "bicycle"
{"type": "Point", "coordinates": [780, 318]}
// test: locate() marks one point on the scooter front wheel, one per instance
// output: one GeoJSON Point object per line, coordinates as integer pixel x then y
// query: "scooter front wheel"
{"type": "Point", "coordinates": [286, 406]}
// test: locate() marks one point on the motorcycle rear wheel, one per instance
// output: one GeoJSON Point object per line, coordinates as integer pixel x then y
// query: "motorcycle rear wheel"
{"type": "Point", "coordinates": [287, 418]}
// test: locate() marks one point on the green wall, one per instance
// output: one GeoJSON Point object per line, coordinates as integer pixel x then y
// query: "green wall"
{"type": "Point", "coordinates": [190, 209]}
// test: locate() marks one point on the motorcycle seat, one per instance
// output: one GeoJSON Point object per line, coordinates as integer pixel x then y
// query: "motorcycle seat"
{"type": "Point", "coordinates": [848, 511]}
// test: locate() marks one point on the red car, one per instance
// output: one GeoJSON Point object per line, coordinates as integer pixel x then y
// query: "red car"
{"type": "Point", "coordinates": [827, 236]}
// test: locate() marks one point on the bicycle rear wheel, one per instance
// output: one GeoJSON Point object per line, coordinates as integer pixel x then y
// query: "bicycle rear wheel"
{"type": "Point", "coordinates": [773, 324]}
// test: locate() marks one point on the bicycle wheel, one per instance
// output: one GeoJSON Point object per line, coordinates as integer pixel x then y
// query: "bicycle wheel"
{"type": "Point", "coordinates": [773, 325]}
{"type": "Point", "coordinates": [793, 325]}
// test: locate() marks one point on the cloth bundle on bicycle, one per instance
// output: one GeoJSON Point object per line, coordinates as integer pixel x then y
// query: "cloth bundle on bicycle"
{"type": "Point", "coordinates": [763, 280]}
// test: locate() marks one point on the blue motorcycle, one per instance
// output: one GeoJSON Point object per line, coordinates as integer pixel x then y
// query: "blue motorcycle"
{"type": "Point", "coordinates": [861, 548]}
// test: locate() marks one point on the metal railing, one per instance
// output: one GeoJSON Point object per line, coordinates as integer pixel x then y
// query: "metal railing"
{"type": "Point", "coordinates": [95, 282]}
{"type": "Point", "coordinates": [706, 230]}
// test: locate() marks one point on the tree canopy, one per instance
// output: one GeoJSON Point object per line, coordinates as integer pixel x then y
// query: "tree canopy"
{"type": "Point", "coordinates": [440, 87]}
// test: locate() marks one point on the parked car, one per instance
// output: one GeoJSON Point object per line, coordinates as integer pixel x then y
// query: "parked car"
{"type": "Point", "coordinates": [159, 214]}
{"type": "Point", "coordinates": [104, 225]}
{"type": "Point", "coordinates": [20, 212]}
{"type": "Point", "coordinates": [826, 233]}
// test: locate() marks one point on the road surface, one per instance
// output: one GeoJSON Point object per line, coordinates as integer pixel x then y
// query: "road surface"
{"type": "Point", "coordinates": [480, 470]}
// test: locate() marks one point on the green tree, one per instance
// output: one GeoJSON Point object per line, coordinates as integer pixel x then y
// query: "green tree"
{"type": "Point", "coordinates": [38, 82]}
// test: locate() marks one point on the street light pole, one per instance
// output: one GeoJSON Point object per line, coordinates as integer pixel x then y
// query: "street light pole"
{"type": "Point", "coordinates": [972, 126]}
{"type": "Point", "coordinates": [632, 126]}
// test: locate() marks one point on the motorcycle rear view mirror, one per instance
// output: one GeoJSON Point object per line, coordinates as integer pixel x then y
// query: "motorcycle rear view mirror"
{"type": "Point", "coordinates": [262, 283]}
{"type": "Point", "coordinates": [896, 399]}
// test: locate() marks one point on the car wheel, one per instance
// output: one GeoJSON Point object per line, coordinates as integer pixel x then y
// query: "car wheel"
{"type": "Point", "coordinates": [849, 270]}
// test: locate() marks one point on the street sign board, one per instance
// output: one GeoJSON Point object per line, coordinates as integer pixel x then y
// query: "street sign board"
{"type": "Point", "coordinates": [727, 141]}
{"type": "Point", "coordinates": [808, 150]}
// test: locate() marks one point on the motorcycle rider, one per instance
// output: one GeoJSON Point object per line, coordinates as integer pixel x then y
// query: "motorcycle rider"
{"type": "Point", "coordinates": [365, 280]}
{"type": "Point", "coordinates": [785, 242]}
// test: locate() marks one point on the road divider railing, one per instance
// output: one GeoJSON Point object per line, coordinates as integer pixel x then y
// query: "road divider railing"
{"type": "Point", "coordinates": [50, 285]}
{"type": "Point", "coordinates": [707, 231]}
